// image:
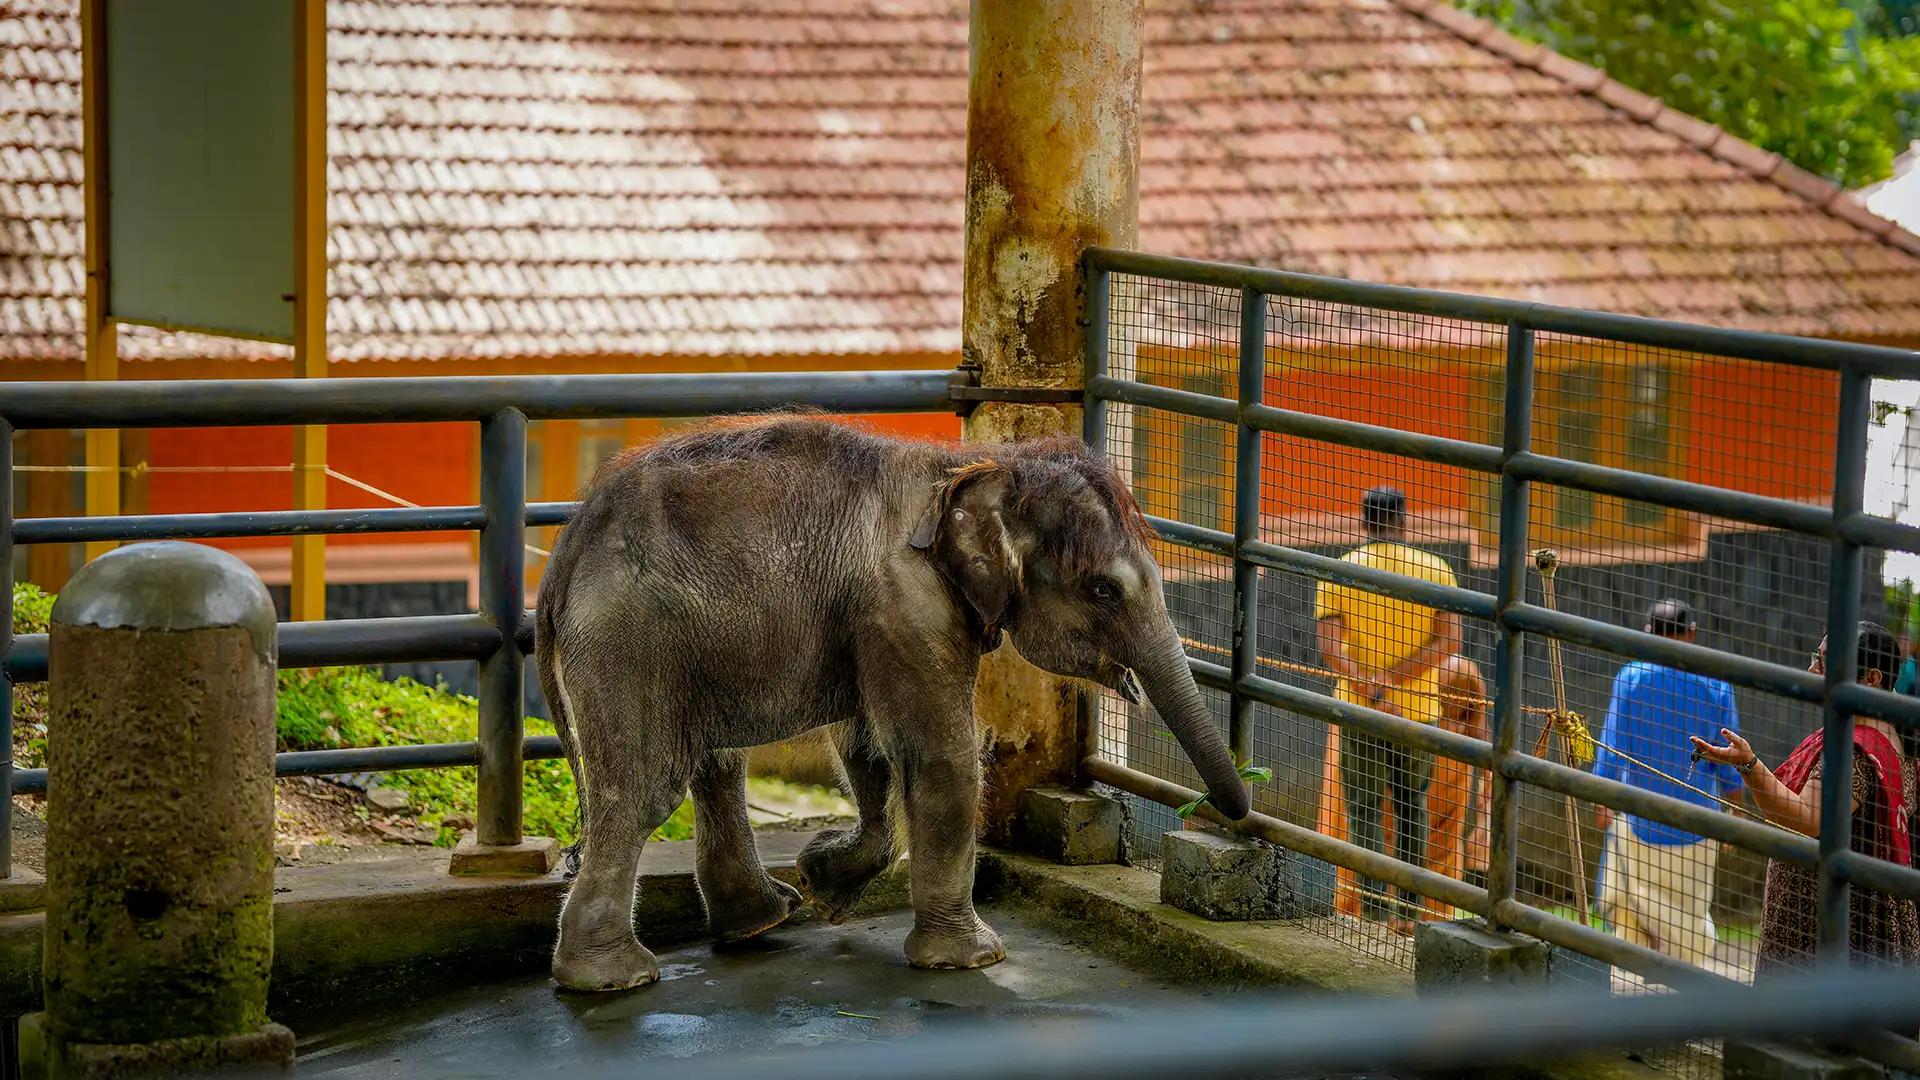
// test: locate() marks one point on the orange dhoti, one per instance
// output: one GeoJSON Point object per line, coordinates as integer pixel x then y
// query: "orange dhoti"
{"type": "Point", "coordinates": [1453, 849]}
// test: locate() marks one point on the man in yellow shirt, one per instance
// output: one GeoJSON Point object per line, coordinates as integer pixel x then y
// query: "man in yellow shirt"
{"type": "Point", "coordinates": [1387, 652]}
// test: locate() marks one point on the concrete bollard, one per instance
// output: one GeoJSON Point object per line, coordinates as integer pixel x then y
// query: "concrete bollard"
{"type": "Point", "coordinates": [159, 932]}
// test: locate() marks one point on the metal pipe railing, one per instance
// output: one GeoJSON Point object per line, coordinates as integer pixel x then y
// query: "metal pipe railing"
{"type": "Point", "coordinates": [1844, 525]}
{"type": "Point", "coordinates": [472, 398]}
{"type": "Point", "coordinates": [497, 636]}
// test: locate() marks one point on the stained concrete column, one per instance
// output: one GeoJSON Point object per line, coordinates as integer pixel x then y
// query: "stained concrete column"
{"type": "Point", "coordinates": [1053, 166]}
{"type": "Point", "coordinates": [159, 931]}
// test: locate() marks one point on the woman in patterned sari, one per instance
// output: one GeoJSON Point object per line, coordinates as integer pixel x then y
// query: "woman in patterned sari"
{"type": "Point", "coordinates": [1882, 928]}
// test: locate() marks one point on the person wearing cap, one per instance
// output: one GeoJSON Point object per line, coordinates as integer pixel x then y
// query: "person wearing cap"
{"type": "Point", "coordinates": [1657, 881]}
{"type": "Point", "coordinates": [1387, 653]}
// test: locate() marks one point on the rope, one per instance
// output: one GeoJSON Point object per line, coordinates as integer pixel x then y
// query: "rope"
{"type": "Point", "coordinates": [1573, 724]}
{"type": "Point", "coordinates": [142, 468]}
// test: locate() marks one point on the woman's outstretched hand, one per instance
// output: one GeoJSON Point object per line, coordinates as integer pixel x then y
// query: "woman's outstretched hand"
{"type": "Point", "coordinates": [1735, 753]}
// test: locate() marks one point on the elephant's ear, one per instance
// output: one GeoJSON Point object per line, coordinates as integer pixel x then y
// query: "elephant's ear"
{"type": "Point", "coordinates": [965, 530]}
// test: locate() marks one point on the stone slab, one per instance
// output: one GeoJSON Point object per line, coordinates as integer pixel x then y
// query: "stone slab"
{"type": "Point", "coordinates": [266, 1051]}
{"type": "Point", "coordinates": [24, 890]}
{"type": "Point", "coordinates": [1451, 955]}
{"type": "Point", "coordinates": [533, 856]}
{"type": "Point", "coordinates": [1225, 877]}
{"type": "Point", "coordinates": [1760, 1060]}
{"type": "Point", "coordinates": [1073, 828]}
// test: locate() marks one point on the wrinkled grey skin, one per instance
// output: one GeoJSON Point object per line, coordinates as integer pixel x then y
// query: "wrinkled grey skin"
{"type": "Point", "coordinates": [752, 581]}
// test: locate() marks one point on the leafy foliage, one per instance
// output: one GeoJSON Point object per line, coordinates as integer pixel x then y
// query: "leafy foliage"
{"type": "Point", "coordinates": [1832, 92]}
{"type": "Point", "coordinates": [328, 708]}
{"type": "Point", "coordinates": [1251, 773]}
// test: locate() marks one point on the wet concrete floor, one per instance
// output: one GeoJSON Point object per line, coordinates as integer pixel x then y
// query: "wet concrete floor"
{"type": "Point", "coordinates": [807, 986]}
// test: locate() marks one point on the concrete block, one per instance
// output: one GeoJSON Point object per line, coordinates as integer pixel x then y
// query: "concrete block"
{"type": "Point", "coordinates": [266, 1049]}
{"type": "Point", "coordinates": [24, 890]}
{"type": "Point", "coordinates": [1225, 877]}
{"type": "Point", "coordinates": [533, 856]}
{"type": "Point", "coordinates": [1070, 827]}
{"type": "Point", "coordinates": [1758, 1060]}
{"type": "Point", "coordinates": [1450, 955]}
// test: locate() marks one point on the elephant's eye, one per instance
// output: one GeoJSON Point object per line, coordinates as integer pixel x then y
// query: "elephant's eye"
{"type": "Point", "coordinates": [1105, 591]}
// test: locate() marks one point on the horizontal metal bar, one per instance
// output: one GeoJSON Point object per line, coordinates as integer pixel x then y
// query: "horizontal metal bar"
{"type": "Point", "coordinates": [1879, 874]}
{"type": "Point", "coordinates": [1639, 959]}
{"type": "Point", "coordinates": [1210, 675]}
{"type": "Point", "coordinates": [136, 527]}
{"type": "Point", "coordinates": [1295, 838]}
{"type": "Point", "coordinates": [1868, 530]}
{"type": "Point", "coordinates": [1184, 402]}
{"type": "Point", "coordinates": [551, 513]}
{"type": "Point", "coordinates": [1681, 494]}
{"type": "Point", "coordinates": [1323, 568]}
{"type": "Point", "coordinates": [1386, 440]}
{"type": "Point", "coordinates": [1863, 700]}
{"type": "Point", "coordinates": [1639, 645]}
{"type": "Point", "coordinates": [392, 640]}
{"type": "Point", "coordinates": [1257, 1032]}
{"type": "Point", "coordinates": [1768, 840]}
{"type": "Point", "coordinates": [1193, 536]}
{"type": "Point", "coordinates": [1685, 337]}
{"type": "Point", "coordinates": [1431, 738]}
{"type": "Point", "coordinates": [352, 760]}
{"type": "Point", "coordinates": [1308, 286]}
{"type": "Point", "coordinates": [425, 399]}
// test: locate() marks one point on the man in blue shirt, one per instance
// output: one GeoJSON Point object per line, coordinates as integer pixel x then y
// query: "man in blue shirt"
{"type": "Point", "coordinates": [1657, 883]}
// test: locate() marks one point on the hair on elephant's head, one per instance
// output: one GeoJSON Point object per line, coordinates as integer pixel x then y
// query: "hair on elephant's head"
{"type": "Point", "coordinates": [1044, 542]}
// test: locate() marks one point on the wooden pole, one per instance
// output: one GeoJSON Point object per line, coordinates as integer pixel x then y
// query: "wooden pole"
{"type": "Point", "coordinates": [102, 336]}
{"type": "Point", "coordinates": [309, 573]}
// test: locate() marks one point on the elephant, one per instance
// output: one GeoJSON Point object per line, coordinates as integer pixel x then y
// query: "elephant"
{"type": "Point", "coordinates": [755, 579]}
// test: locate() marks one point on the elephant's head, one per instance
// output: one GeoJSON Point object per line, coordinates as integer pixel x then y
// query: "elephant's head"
{"type": "Point", "coordinates": [1043, 541]}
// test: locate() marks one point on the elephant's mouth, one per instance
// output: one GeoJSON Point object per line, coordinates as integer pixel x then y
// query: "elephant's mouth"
{"type": "Point", "coordinates": [1122, 681]}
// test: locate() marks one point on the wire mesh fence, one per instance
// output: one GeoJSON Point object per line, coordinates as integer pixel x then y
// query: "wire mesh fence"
{"type": "Point", "coordinates": [1371, 405]}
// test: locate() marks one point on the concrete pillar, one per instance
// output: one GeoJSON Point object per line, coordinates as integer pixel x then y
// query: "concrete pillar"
{"type": "Point", "coordinates": [1053, 166]}
{"type": "Point", "coordinates": [159, 932]}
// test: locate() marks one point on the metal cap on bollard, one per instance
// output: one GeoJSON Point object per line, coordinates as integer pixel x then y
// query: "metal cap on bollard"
{"type": "Point", "coordinates": [159, 928]}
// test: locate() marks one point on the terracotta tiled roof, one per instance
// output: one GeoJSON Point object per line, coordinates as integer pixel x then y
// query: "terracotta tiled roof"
{"type": "Point", "coordinates": [513, 177]}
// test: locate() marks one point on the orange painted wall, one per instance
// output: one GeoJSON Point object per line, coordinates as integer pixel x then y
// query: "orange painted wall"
{"type": "Point", "coordinates": [430, 464]}
{"type": "Point", "coordinates": [1763, 428]}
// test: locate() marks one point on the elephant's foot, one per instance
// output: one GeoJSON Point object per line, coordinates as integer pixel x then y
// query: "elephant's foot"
{"type": "Point", "coordinates": [946, 949]}
{"type": "Point", "coordinates": [597, 970]}
{"type": "Point", "coordinates": [739, 916]}
{"type": "Point", "coordinates": [837, 866]}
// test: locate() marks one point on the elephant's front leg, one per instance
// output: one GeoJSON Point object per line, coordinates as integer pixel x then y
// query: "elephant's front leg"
{"type": "Point", "coordinates": [942, 788]}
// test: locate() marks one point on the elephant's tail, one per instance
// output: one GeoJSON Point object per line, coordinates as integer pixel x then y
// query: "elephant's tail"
{"type": "Point", "coordinates": [553, 684]}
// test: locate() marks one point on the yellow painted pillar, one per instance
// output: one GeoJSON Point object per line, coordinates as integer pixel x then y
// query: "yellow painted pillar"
{"type": "Point", "coordinates": [102, 336]}
{"type": "Point", "coordinates": [309, 573]}
{"type": "Point", "coordinates": [1053, 166]}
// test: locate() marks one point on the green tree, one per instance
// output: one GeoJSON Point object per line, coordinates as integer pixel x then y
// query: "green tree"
{"type": "Point", "coordinates": [1833, 93]}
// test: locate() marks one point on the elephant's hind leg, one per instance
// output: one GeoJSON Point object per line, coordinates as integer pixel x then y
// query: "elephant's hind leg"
{"type": "Point", "coordinates": [638, 776]}
{"type": "Point", "coordinates": [742, 899]}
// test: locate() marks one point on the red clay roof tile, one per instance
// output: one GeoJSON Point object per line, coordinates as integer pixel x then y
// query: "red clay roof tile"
{"type": "Point", "coordinates": [681, 177]}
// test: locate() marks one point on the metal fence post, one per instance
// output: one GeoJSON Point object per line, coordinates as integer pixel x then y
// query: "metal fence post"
{"type": "Point", "coordinates": [1093, 420]}
{"type": "Point", "coordinates": [1093, 415]}
{"type": "Point", "coordinates": [1510, 649]}
{"type": "Point", "coordinates": [6, 646]}
{"type": "Point", "coordinates": [1246, 518]}
{"type": "Point", "coordinates": [503, 562]}
{"type": "Point", "coordinates": [1843, 645]}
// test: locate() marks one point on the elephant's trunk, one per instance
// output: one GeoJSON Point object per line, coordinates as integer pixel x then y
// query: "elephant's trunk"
{"type": "Point", "coordinates": [1169, 684]}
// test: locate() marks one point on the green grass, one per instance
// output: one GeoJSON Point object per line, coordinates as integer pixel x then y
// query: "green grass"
{"type": "Point", "coordinates": [329, 708]}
